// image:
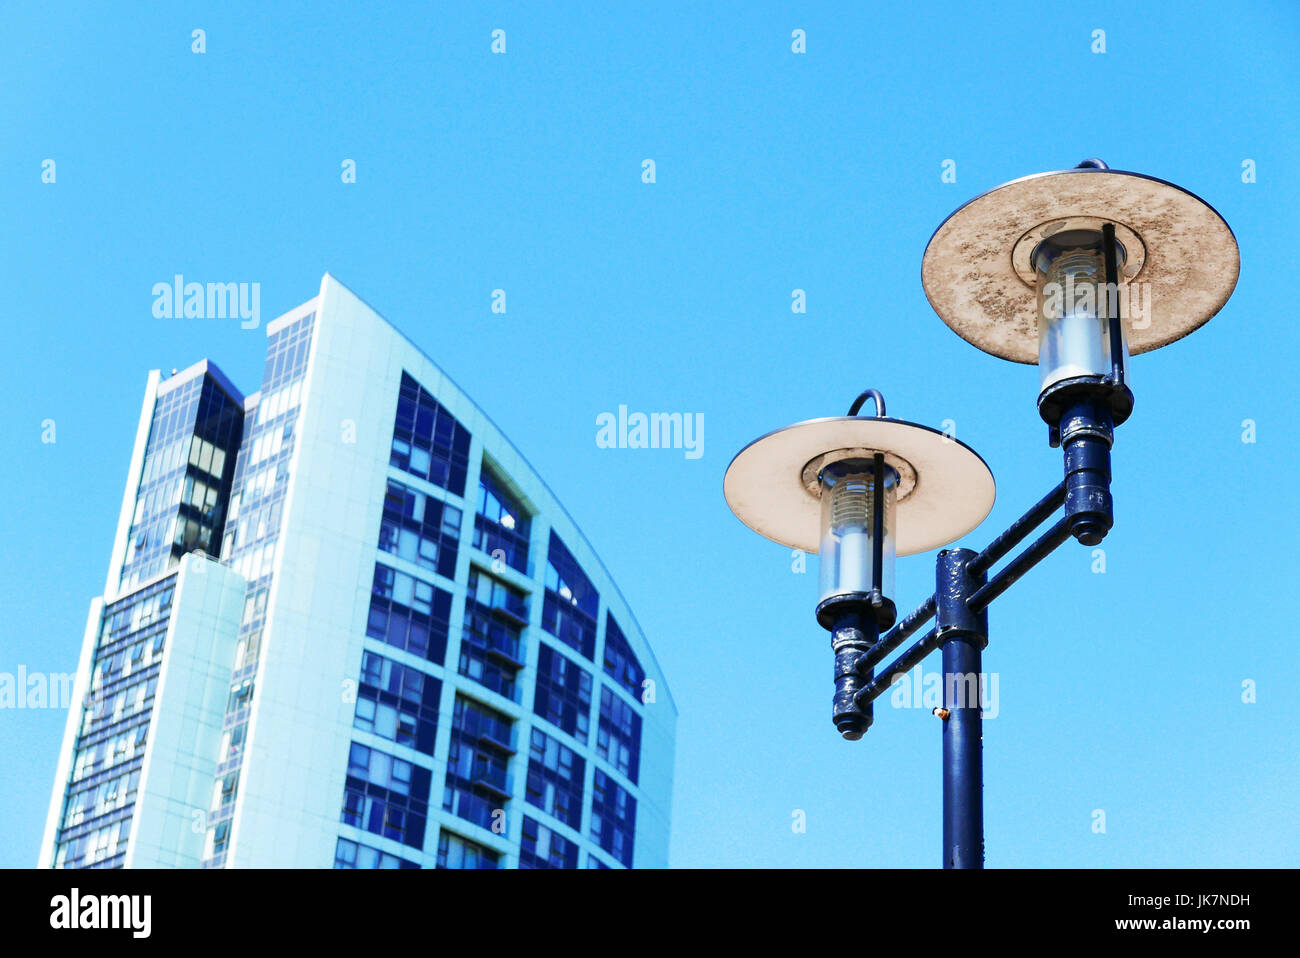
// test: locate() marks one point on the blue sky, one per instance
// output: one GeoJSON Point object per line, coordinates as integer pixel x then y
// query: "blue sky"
{"type": "Point", "coordinates": [1119, 691]}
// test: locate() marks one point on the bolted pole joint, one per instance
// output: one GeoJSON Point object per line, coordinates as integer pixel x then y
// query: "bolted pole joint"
{"type": "Point", "coordinates": [854, 624]}
{"type": "Point", "coordinates": [1087, 434]}
{"type": "Point", "coordinates": [954, 584]}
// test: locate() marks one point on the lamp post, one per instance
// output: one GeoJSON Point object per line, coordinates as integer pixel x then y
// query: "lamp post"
{"type": "Point", "coordinates": [1074, 270]}
{"type": "Point", "coordinates": [858, 490]}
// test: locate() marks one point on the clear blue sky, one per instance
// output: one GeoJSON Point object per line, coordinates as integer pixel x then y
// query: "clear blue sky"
{"type": "Point", "coordinates": [775, 171]}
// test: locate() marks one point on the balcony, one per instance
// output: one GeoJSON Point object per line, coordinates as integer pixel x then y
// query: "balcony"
{"type": "Point", "coordinates": [492, 781]}
{"type": "Point", "coordinates": [513, 609]}
{"type": "Point", "coordinates": [498, 738]}
{"type": "Point", "coordinates": [504, 648]}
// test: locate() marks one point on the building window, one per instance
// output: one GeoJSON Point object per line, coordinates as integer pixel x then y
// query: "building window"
{"type": "Point", "coordinates": [409, 614]}
{"type": "Point", "coordinates": [476, 664]}
{"type": "Point", "coordinates": [232, 742]}
{"type": "Point", "coordinates": [501, 524]}
{"type": "Point", "coordinates": [569, 609]}
{"type": "Point", "coordinates": [620, 661]}
{"type": "Point", "coordinates": [428, 441]}
{"type": "Point", "coordinates": [241, 694]}
{"type": "Point", "coordinates": [386, 795]}
{"type": "Point", "coordinates": [223, 791]}
{"type": "Point", "coordinates": [397, 703]}
{"type": "Point", "coordinates": [349, 854]}
{"type": "Point", "coordinates": [563, 693]}
{"type": "Point", "coordinates": [482, 741]}
{"type": "Point", "coordinates": [495, 596]}
{"type": "Point", "coordinates": [491, 648]}
{"type": "Point", "coordinates": [123, 680]}
{"type": "Point", "coordinates": [555, 779]}
{"type": "Point", "coordinates": [543, 848]}
{"type": "Point", "coordinates": [420, 529]}
{"type": "Point", "coordinates": [218, 840]}
{"type": "Point", "coordinates": [613, 817]}
{"type": "Point", "coordinates": [457, 852]}
{"type": "Point", "coordinates": [618, 734]}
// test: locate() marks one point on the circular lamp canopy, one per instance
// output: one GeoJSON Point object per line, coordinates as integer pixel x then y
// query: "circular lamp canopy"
{"type": "Point", "coordinates": [944, 488]}
{"type": "Point", "coordinates": [978, 268]}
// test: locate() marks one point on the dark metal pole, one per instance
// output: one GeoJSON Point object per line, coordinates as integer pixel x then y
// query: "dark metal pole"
{"type": "Point", "coordinates": [963, 634]}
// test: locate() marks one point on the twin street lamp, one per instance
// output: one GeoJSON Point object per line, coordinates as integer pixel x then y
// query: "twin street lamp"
{"type": "Point", "coordinates": [1074, 270]}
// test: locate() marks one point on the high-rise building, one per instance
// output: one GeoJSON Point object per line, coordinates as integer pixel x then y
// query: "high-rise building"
{"type": "Point", "coordinates": [346, 624]}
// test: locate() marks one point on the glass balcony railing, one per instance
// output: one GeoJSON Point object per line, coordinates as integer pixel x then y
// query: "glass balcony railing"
{"type": "Point", "coordinates": [496, 734]}
{"type": "Point", "coordinates": [505, 647]}
{"type": "Point", "coordinates": [489, 778]}
{"type": "Point", "coordinates": [512, 606]}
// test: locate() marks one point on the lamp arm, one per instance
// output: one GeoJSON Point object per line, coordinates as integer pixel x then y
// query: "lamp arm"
{"type": "Point", "coordinates": [977, 602]}
{"type": "Point", "coordinates": [1019, 530]}
{"type": "Point", "coordinates": [895, 636]}
{"type": "Point", "coordinates": [980, 600]}
{"type": "Point", "coordinates": [1011, 573]}
{"type": "Point", "coordinates": [1087, 435]}
{"type": "Point", "coordinates": [909, 660]}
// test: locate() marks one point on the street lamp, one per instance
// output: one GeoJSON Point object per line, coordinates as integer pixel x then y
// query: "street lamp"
{"type": "Point", "coordinates": [857, 490]}
{"type": "Point", "coordinates": [1074, 270]}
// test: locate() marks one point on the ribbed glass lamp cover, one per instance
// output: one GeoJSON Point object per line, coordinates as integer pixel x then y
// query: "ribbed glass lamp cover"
{"type": "Point", "coordinates": [848, 515]}
{"type": "Point", "coordinates": [1073, 333]}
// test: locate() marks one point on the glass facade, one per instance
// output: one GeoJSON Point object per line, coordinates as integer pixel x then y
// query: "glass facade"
{"type": "Point", "coordinates": [491, 643]}
{"type": "Point", "coordinates": [563, 693]}
{"type": "Point", "coordinates": [620, 661]}
{"type": "Point", "coordinates": [613, 817]}
{"type": "Point", "coordinates": [386, 795]}
{"type": "Point", "coordinates": [355, 855]}
{"type": "Point", "coordinates": [420, 529]}
{"type": "Point", "coordinates": [397, 703]}
{"type": "Point", "coordinates": [543, 848]}
{"type": "Point", "coordinates": [555, 774]}
{"type": "Point", "coordinates": [569, 612]}
{"type": "Point", "coordinates": [501, 523]}
{"type": "Point", "coordinates": [114, 728]}
{"type": "Point", "coordinates": [478, 780]}
{"type": "Point", "coordinates": [618, 734]}
{"type": "Point", "coordinates": [457, 852]}
{"type": "Point", "coordinates": [409, 613]}
{"type": "Point", "coordinates": [185, 479]}
{"type": "Point", "coordinates": [428, 441]}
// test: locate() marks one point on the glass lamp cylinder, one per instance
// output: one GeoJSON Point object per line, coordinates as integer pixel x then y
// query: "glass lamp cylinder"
{"type": "Point", "coordinates": [849, 533]}
{"type": "Point", "coordinates": [1073, 323]}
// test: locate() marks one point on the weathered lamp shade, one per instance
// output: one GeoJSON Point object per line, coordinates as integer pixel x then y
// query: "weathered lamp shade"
{"type": "Point", "coordinates": [811, 486]}
{"type": "Point", "coordinates": [1178, 264]}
